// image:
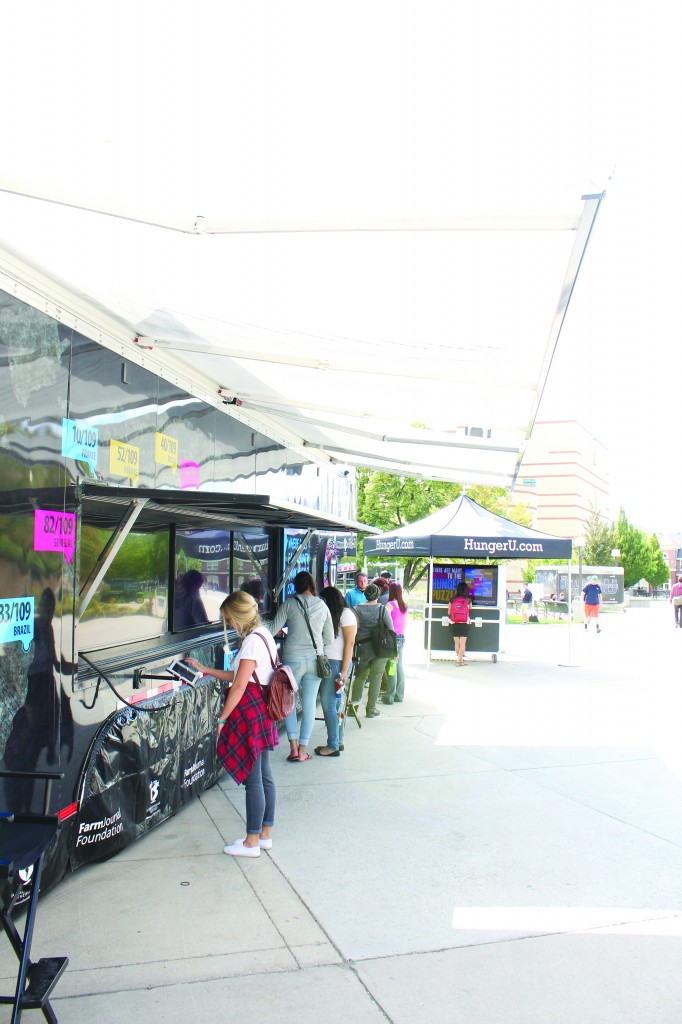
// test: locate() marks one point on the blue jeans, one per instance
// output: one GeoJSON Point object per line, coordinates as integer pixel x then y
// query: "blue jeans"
{"type": "Point", "coordinates": [395, 684]}
{"type": "Point", "coordinates": [329, 707]}
{"type": "Point", "coordinates": [260, 795]}
{"type": "Point", "coordinates": [305, 673]}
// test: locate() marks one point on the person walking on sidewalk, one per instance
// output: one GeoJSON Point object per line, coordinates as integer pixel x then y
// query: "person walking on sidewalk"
{"type": "Point", "coordinates": [526, 602]}
{"type": "Point", "coordinates": [247, 734]}
{"type": "Point", "coordinates": [592, 602]}
{"type": "Point", "coordinates": [676, 601]}
{"type": "Point", "coordinates": [368, 664]}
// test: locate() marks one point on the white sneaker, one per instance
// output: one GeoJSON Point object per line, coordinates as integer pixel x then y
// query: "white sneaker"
{"type": "Point", "coordinates": [239, 850]}
{"type": "Point", "coordinates": [265, 844]}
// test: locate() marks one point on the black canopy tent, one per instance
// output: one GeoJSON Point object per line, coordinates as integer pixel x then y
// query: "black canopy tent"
{"type": "Point", "coordinates": [464, 529]}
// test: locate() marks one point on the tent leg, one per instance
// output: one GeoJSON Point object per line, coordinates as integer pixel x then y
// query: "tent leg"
{"type": "Point", "coordinates": [569, 663]}
{"type": "Point", "coordinates": [429, 608]}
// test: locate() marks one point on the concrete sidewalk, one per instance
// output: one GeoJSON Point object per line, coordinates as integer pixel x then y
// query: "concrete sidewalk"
{"type": "Point", "coordinates": [505, 847]}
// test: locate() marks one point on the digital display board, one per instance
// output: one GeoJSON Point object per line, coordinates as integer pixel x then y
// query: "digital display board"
{"type": "Point", "coordinates": [480, 579]}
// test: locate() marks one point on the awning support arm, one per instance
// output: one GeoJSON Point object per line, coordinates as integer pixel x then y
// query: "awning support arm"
{"type": "Point", "coordinates": [292, 561]}
{"type": "Point", "coordinates": [109, 552]}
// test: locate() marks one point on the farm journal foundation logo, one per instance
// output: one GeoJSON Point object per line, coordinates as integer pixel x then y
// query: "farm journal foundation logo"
{"type": "Point", "coordinates": [97, 831]}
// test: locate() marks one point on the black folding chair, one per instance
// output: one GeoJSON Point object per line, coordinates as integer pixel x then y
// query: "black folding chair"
{"type": "Point", "coordinates": [24, 838]}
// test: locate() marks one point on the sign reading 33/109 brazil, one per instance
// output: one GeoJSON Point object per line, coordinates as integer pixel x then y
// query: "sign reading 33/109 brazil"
{"type": "Point", "coordinates": [79, 441]}
{"type": "Point", "coordinates": [16, 620]}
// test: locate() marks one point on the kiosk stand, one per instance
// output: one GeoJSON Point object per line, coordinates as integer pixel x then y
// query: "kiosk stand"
{"type": "Point", "coordinates": [487, 586]}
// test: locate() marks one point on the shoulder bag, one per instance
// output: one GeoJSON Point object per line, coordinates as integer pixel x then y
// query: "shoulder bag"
{"type": "Point", "coordinates": [280, 693]}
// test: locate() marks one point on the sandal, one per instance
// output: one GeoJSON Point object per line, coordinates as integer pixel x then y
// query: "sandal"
{"type": "Point", "coordinates": [293, 757]}
{"type": "Point", "coordinates": [330, 753]}
{"type": "Point", "coordinates": [303, 757]}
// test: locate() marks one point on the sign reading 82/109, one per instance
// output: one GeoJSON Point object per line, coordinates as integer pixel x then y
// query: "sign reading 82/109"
{"type": "Point", "coordinates": [124, 459]}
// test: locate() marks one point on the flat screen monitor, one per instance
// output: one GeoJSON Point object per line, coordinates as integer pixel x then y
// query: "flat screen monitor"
{"type": "Point", "coordinates": [480, 579]}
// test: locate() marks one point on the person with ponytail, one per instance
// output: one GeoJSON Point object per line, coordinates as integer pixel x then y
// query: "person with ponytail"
{"type": "Point", "coordinates": [246, 733]}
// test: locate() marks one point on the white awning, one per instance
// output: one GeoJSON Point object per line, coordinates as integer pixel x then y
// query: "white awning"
{"type": "Point", "coordinates": [365, 308]}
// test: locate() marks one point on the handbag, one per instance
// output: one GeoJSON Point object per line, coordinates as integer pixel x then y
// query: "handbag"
{"type": "Point", "coordinates": [324, 667]}
{"type": "Point", "coordinates": [280, 693]}
{"type": "Point", "coordinates": [677, 601]}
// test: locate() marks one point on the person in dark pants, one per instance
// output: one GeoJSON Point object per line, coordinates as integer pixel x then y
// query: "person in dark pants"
{"type": "Point", "coordinates": [368, 664]}
{"type": "Point", "coordinates": [526, 602]}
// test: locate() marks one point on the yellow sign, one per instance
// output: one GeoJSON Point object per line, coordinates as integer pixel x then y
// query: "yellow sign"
{"type": "Point", "coordinates": [166, 450]}
{"type": "Point", "coordinates": [124, 460]}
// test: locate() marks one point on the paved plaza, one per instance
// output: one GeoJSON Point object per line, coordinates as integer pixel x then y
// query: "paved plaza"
{"type": "Point", "coordinates": [505, 847]}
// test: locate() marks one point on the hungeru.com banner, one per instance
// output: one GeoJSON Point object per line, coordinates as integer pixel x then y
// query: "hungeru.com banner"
{"type": "Point", "coordinates": [469, 547]}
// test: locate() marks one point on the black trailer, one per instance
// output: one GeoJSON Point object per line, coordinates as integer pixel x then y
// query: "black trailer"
{"type": "Point", "coordinates": [129, 508]}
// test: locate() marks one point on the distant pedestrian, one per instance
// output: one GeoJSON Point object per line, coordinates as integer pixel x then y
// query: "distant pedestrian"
{"type": "Point", "coordinates": [592, 602]}
{"type": "Point", "coordinates": [526, 602]}
{"type": "Point", "coordinates": [676, 601]}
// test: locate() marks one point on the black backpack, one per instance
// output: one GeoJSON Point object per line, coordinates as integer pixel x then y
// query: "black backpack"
{"type": "Point", "coordinates": [383, 639]}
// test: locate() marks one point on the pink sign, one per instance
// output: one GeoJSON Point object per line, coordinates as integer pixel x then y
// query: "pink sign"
{"type": "Point", "coordinates": [54, 531]}
{"type": "Point", "coordinates": [190, 475]}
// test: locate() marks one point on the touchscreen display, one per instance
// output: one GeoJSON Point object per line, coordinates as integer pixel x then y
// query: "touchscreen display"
{"type": "Point", "coordinates": [181, 670]}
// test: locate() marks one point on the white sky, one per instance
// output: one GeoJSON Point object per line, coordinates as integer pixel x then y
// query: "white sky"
{"type": "Point", "coordinates": [423, 107]}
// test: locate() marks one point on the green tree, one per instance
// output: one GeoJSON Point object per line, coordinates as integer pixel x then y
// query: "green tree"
{"type": "Point", "coordinates": [389, 502]}
{"type": "Point", "coordinates": [659, 571]}
{"type": "Point", "coordinates": [635, 551]}
{"type": "Point", "coordinates": [600, 540]}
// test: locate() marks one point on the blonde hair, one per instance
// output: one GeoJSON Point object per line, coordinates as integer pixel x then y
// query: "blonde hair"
{"type": "Point", "coordinates": [242, 610]}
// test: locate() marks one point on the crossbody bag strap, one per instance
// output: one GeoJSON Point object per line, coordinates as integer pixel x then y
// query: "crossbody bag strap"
{"type": "Point", "coordinates": [307, 622]}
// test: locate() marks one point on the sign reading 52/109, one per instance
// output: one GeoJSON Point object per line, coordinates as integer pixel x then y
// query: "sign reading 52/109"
{"type": "Point", "coordinates": [124, 459]}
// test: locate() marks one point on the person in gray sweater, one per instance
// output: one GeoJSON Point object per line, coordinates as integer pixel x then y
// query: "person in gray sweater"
{"type": "Point", "coordinates": [300, 654]}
